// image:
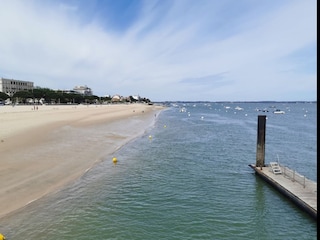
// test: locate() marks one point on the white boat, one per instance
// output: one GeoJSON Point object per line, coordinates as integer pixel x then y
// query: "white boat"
{"type": "Point", "coordinates": [183, 109]}
{"type": "Point", "coordinates": [278, 111]}
{"type": "Point", "coordinates": [238, 108]}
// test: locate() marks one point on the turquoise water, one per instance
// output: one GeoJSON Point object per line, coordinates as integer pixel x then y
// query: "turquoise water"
{"type": "Point", "coordinates": [187, 177]}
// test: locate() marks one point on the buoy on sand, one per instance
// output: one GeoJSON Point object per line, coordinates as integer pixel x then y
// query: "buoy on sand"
{"type": "Point", "coordinates": [114, 160]}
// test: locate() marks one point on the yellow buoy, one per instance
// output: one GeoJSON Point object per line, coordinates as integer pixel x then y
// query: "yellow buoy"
{"type": "Point", "coordinates": [165, 126]}
{"type": "Point", "coordinates": [150, 137]}
{"type": "Point", "coordinates": [114, 160]}
{"type": "Point", "coordinates": [2, 237]}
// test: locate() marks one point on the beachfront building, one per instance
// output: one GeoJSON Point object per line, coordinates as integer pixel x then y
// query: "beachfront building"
{"type": "Point", "coordinates": [11, 86]}
{"type": "Point", "coordinates": [116, 98]}
{"type": "Point", "coordinates": [84, 90]}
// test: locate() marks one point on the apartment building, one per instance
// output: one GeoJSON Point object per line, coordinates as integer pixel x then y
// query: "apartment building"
{"type": "Point", "coordinates": [84, 90]}
{"type": "Point", "coordinates": [11, 86]}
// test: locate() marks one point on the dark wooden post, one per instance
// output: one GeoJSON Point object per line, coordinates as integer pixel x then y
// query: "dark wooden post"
{"type": "Point", "coordinates": [261, 137]}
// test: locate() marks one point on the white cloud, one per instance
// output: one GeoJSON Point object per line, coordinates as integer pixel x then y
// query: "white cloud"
{"type": "Point", "coordinates": [169, 44]}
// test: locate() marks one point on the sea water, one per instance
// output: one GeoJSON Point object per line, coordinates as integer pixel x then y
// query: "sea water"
{"type": "Point", "coordinates": [187, 177]}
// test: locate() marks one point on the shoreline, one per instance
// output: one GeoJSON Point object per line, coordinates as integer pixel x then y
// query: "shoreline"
{"type": "Point", "coordinates": [44, 150]}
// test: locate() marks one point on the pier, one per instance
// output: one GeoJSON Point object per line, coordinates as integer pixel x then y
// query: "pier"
{"type": "Point", "coordinates": [300, 190]}
{"type": "Point", "coordinates": [297, 188]}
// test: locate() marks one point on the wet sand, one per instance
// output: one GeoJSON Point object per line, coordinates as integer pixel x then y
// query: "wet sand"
{"type": "Point", "coordinates": [42, 150]}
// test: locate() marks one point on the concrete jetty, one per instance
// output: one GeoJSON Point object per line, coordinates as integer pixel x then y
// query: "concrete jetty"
{"type": "Point", "coordinates": [301, 191]}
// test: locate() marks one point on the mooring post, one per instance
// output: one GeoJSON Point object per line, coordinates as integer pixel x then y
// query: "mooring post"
{"type": "Point", "coordinates": [261, 137]}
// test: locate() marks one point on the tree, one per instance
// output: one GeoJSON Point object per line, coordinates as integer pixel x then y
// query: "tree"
{"type": "Point", "coordinates": [49, 95]}
{"type": "Point", "coordinates": [58, 97]}
{"type": "Point", "coordinates": [74, 98]}
{"type": "Point", "coordinates": [91, 99]}
{"type": "Point", "coordinates": [146, 100]}
{"type": "Point", "coordinates": [3, 96]}
{"type": "Point", "coordinates": [22, 96]}
{"type": "Point", "coordinates": [40, 92]}
{"type": "Point", "coordinates": [132, 99]}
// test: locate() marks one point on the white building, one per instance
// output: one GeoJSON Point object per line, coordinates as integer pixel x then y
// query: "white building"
{"type": "Point", "coordinates": [84, 90]}
{"type": "Point", "coordinates": [11, 86]}
{"type": "Point", "coordinates": [116, 98]}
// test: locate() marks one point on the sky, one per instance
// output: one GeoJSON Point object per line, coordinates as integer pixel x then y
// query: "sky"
{"type": "Point", "coordinates": [166, 50]}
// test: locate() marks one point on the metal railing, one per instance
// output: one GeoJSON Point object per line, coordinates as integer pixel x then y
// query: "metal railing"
{"type": "Point", "coordinates": [292, 174]}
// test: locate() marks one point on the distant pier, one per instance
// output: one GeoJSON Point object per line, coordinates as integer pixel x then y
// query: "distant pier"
{"type": "Point", "coordinates": [300, 190]}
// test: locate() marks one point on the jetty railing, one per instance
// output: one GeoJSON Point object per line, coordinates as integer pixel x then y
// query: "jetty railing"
{"type": "Point", "coordinates": [296, 177]}
{"type": "Point", "coordinates": [293, 175]}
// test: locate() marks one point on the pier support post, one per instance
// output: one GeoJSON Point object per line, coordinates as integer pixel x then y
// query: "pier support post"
{"type": "Point", "coordinates": [261, 137]}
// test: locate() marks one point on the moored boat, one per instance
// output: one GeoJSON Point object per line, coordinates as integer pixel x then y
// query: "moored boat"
{"type": "Point", "coordinates": [278, 111]}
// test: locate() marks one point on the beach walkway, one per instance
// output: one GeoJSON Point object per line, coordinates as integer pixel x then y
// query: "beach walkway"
{"type": "Point", "coordinates": [300, 190]}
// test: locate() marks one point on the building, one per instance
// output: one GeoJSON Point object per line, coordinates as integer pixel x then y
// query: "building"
{"type": "Point", "coordinates": [116, 98]}
{"type": "Point", "coordinates": [11, 86]}
{"type": "Point", "coordinates": [84, 90]}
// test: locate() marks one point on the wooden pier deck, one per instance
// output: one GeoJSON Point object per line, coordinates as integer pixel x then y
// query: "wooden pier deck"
{"type": "Point", "coordinates": [304, 194]}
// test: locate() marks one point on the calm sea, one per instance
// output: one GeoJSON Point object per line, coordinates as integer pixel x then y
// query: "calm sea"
{"type": "Point", "coordinates": [187, 177]}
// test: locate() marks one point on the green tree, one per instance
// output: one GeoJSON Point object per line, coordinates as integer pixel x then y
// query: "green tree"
{"type": "Point", "coordinates": [3, 96]}
{"type": "Point", "coordinates": [56, 97]}
{"type": "Point", "coordinates": [22, 96]}
{"type": "Point", "coordinates": [91, 99]}
{"type": "Point", "coordinates": [132, 99]}
{"type": "Point", "coordinates": [40, 92]}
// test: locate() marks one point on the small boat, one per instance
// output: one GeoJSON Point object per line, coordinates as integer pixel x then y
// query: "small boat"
{"type": "Point", "coordinates": [183, 109]}
{"type": "Point", "coordinates": [278, 111]}
{"type": "Point", "coordinates": [262, 110]}
{"type": "Point", "coordinates": [238, 108]}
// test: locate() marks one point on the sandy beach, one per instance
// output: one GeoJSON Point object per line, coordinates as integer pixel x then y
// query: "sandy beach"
{"type": "Point", "coordinates": [43, 149]}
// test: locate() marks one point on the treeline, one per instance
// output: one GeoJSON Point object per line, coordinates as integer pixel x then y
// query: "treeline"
{"type": "Point", "coordinates": [49, 96]}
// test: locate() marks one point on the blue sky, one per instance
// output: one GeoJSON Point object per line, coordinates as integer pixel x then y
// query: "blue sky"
{"type": "Point", "coordinates": [166, 50]}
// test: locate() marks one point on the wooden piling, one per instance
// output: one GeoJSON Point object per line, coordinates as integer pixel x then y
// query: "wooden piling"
{"type": "Point", "coordinates": [261, 137]}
